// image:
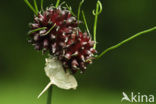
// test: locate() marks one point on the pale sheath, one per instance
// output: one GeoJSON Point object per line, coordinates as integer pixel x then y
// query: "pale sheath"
{"type": "Point", "coordinates": [57, 75]}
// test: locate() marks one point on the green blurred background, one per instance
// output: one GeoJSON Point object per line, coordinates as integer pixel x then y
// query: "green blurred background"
{"type": "Point", "coordinates": [130, 68]}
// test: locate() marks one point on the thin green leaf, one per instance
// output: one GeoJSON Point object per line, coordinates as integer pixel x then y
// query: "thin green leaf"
{"type": "Point", "coordinates": [36, 7]}
{"type": "Point", "coordinates": [70, 9]}
{"type": "Point", "coordinates": [125, 41]}
{"type": "Point", "coordinates": [48, 30]}
{"type": "Point", "coordinates": [84, 19]}
{"type": "Point", "coordinates": [79, 10]}
{"type": "Point", "coordinates": [38, 29]}
{"type": "Point", "coordinates": [42, 5]}
{"type": "Point", "coordinates": [57, 3]}
{"type": "Point", "coordinates": [98, 11]}
{"type": "Point", "coordinates": [30, 6]}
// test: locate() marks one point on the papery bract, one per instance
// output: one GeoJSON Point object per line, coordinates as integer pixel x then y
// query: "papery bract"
{"type": "Point", "coordinates": [57, 75]}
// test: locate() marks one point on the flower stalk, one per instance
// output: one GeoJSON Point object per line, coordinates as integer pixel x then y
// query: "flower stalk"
{"type": "Point", "coordinates": [49, 99]}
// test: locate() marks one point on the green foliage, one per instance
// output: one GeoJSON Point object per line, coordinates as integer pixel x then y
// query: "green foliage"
{"type": "Point", "coordinates": [38, 29]}
{"type": "Point", "coordinates": [79, 10]}
{"type": "Point", "coordinates": [125, 41]}
{"type": "Point", "coordinates": [96, 14]}
{"type": "Point", "coordinates": [70, 9]}
{"type": "Point", "coordinates": [49, 30]}
{"type": "Point", "coordinates": [42, 5]}
{"type": "Point", "coordinates": [57, 3]}
{"type": "Point", "coordinates": [36, 7]}
{"type": "Point", "coordinates": [30, 6]}
{"type": "Point", "coordinates": [85, 22]}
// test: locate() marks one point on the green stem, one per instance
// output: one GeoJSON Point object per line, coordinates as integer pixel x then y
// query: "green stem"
{"type": "Point", "coordinates": [98, 11]}
{"type": "Point", "coordinates": [38, 29]}
{"type": "Point", "coordinates": [79, 10]}
{"type": "Point", "coordinates": [30, 6]}
{"type": "Point", "coordinates": [49, 99]}
{"type": "Point", "coordinates": [42, 5]}
{"type": "Point", "coordinates": [84, 19]}
{"type": "Point", "coordinates": [70, 9]}
{"type": "Point", "coordinates": [36, 7]}
{"type": "Point", "coordinates": [57, 3]}
{"type": "Point", "coordinates": [95, 27]}
{"type": "Point", "coordinates": [125, 41]}
{"type": "Point", "coordinates": [49, 30]}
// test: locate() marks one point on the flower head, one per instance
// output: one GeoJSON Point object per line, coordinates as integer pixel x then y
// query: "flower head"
{"type": "Point", "coordinates": [57, 31]}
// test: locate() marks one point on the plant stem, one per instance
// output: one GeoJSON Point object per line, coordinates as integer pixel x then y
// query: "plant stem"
{"type": "Point", "coordinates": [85, 22]}
{"type": "Point", "coordinates": [125, 41]}
{"type": "Point", "coordinates": [95, 25]}
{"type": "Point", "coordinates": [79, 10]}
{"type": "Point", "coordinates": [70, 9]}
{"type": "Point", "coordinates": [96, 13]}
{"type": "Point", "coordinates": [42, 5]}
{"type": "Point", "coordinates": [38, 29]}
{"type": "Point", "coordinates": [49, 30]}
{"type": "Point", "coordinates": [36, 7]}
{"type": "Point", "coordinates": [57, 3]}
{"type": "Point", "coordinates": [49, 99]}
{"type": "Point", "coordinates": [30, 6]}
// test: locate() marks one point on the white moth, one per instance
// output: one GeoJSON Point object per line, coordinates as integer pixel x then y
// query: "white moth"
{"type": "Point", "coordinates": [55, 71]}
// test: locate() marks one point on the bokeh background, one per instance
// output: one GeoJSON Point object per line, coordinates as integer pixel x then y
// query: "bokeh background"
{"type": "Point", "coordinates": [130, 68]}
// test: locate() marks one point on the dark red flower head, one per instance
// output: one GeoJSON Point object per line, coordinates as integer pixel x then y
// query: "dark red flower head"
{"type": "Point", "coordinates": [58, 32]}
